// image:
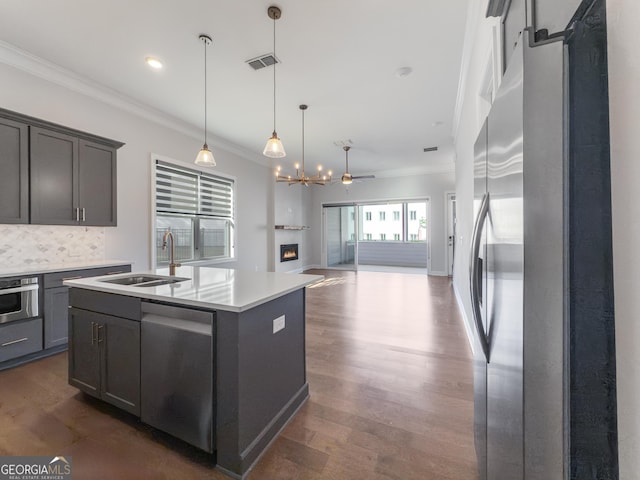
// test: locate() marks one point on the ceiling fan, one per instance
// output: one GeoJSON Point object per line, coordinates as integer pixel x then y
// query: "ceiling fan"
{"type": "Point", "coordinates": [347, 178]}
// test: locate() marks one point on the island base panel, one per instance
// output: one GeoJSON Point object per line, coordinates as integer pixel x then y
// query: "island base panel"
{"type": "Point", "coordinates": [261, 378]}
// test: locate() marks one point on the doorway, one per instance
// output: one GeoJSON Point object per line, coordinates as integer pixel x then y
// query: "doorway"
{"type": "Point", "coordinates": [377, 234]}
{"type": "Point", "coordinates": [340, 226]}
{"type": "Point", "coordinates": [451, 232]}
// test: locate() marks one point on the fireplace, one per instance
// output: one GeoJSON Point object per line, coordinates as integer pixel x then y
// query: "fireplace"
{"type": "Point", "coordinates": [289, 252]}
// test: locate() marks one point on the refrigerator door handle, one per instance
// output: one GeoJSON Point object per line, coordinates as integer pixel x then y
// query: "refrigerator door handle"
{"type": "Point", "coordinates": [474, 278]}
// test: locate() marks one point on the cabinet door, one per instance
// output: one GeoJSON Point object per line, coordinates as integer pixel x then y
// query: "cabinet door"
{"type": "Point", "coordinates": [120, 344]}
{"type": "Point", "coordinates": [97, 184]}
{"type": "Point", "coordinates": [54, 170]}
{"type": "Point", "coordinates": [56, 316]}
{"type": "Point", "coordinates": [84, 351]}
{"type": "Point", "coordinates": [14, 165]}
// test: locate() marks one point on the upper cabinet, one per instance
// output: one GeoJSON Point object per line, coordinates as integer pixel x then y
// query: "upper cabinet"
{"type": "Point", "coordinates": [14, 165]}
{"type": "Point", "coordinates": [97, 184]}
{"type": "Point", "coordinates": [65, 177]}
{"type": "Point", "coordinates": [54, 177]}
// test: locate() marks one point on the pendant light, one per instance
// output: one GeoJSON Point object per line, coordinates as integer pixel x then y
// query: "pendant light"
{"type": "Point", "coordinates": [301, 178]}
{"type": "Point", "coordinates": [205, 157]}
{"type": "Point", "coordinates": [274, 148]}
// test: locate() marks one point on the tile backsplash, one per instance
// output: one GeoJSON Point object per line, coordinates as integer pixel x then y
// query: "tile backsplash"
{"type": "Point", "coordinates": [49, 244]}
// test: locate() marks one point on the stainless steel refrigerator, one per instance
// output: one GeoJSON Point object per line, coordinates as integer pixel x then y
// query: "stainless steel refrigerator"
{"type": "Point", "coordinates": [541, 271]}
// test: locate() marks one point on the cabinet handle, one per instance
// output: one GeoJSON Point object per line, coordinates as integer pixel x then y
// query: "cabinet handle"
{"type": "Point", "coordinates": [77, 214]}
{"type": "Point", "coordinates": [14, 342]}
{"type": "Point", "coordinates": [100, 327]}
{"type": "Point", "coordinates": [84, 219]}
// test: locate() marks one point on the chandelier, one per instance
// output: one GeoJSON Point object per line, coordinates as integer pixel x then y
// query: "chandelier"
{"type": "Point", "coordinates": [301, 177]}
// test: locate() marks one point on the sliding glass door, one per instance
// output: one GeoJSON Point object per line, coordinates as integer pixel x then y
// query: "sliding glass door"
{"type": "Point", "coordinates": [340, 237]}
{"type": "Point", "coordinates": [385, 234]}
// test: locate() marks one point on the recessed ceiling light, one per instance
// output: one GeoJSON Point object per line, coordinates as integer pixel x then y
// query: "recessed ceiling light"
{"type": "Point", "coordinates": [154, 62]}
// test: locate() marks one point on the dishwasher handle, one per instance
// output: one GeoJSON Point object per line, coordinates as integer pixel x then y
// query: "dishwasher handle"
{"type": "Point", "coordinates": [197, 321]}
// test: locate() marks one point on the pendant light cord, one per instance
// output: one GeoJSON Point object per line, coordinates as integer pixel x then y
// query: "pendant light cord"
{"type": "Point", "coordinates": [205, 92]}
{"type": "Point", "coordinates": [275, 61]}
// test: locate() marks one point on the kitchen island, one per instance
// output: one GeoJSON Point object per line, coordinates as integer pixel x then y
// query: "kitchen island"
{"type": "Point", "coordinates": [216, 358]}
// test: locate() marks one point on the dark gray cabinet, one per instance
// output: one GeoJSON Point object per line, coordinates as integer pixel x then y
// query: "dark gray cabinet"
{"type": "Point", "coordinates": [20, 338]}
{"type": "Point", "coordinates": [56, 301]}
{"type": "Point", "coordinates": [73, 181]}
{"type": "Point", "coordinates": [14, 165]}
{"type": "Point", "coordinates": [104, 356]}
{"type": "Point", "coordinates": [56, 305]}
{"type": "Point", "coordinates": [97, 184]}
{"type": "Point", "coordinates": [54, 175]}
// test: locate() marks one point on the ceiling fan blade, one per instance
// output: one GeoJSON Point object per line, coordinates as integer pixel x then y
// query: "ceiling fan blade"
{"type": "Point", "coordinates": [359, 177]}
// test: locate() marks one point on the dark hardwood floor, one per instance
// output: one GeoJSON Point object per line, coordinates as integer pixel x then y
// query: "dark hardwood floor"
{"type": "Point", "coordinates": [390, 374]}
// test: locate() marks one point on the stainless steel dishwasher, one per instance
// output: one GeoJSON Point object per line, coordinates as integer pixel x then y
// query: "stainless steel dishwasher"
{"type": "Point", "coordinates": [177, 371]}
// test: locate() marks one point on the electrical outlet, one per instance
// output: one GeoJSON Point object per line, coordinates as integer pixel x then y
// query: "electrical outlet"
{"type": "Point", "coordinates": [278, 324]}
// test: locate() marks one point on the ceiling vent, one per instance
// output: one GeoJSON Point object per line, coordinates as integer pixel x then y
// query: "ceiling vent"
{"type": "Point", "coordinates": [262, 61]}
{"type": "Point", "coordinates": [430, 149]}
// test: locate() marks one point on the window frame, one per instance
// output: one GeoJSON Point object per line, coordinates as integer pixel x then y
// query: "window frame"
{"type": "Point", "coordinates": [232, 236]}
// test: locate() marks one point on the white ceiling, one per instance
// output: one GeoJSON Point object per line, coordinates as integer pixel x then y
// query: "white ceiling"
{"type": "Point", "coordinates": [338, 56]}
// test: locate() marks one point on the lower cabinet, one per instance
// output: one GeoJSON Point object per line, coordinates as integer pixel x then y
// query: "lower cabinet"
{"type": "Point", "coordinates": [56, 306]}
{"type": "Point", "coordinates": [20, 338]}
{"type": "Point", "coordinates": [56, 301]}
{"type": "Point", "coordinates": [104, 357]}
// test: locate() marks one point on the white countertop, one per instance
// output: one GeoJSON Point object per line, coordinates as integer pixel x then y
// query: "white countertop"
{"type": "Point", "coordinates": [59, 267]}
{"type": "Point", "coordinates": [215, 288]}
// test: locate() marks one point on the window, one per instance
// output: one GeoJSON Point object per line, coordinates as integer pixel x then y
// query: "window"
{"type": "Point", "coordinates": [198, 208]}
{"type": "Point", "coordinates": [409, 221]}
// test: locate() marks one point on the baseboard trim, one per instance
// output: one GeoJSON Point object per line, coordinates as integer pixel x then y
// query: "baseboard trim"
{"type": "Point", "coordinates": [254, 452]}
{"type": "Point", "coordinates": [465, 318]}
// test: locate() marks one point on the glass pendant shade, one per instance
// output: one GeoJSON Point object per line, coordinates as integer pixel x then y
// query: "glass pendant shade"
{"type": "Point", "coordinates": [205, 157]}
{"type": "Point", "coordinates": [274, 148]}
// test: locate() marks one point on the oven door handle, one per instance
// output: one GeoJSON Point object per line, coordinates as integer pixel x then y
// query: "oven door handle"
{"type": "Point", "coordinates": [22, 288]}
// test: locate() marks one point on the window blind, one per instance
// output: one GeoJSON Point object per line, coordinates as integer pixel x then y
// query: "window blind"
{"type": "Point", "coordinates": [184, 191]}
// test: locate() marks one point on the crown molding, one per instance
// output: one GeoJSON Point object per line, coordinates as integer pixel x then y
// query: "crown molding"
{"type": "Point", "coordinates": [39, 67]}
{"type": "Point", "coordinates": [471, 30]}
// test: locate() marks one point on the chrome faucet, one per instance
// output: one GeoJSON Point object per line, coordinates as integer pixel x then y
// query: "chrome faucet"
{"type": "Point", "coordinates": [172, 265]}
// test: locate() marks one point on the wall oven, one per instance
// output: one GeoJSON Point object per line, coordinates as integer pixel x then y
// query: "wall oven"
{"type": "Point", "coordinates": [18, 299]}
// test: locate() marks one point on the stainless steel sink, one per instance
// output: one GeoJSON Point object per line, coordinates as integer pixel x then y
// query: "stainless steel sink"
{"type": "Point", "coordinates": [145, 280]}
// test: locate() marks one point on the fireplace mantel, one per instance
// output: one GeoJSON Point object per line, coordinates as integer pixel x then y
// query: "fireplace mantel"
{"type": "Point", "coordinates": [292, 227]}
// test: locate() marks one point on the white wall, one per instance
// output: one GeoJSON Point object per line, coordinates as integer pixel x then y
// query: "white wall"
{"type": "Point", "coordinates": [624, 108]}
{"type": "Point", "coordinates": [471, 113]}
{"type": "Point", "coordinates": [130, 240]}
{"type": "Point", "coordinates": [433, 186]}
